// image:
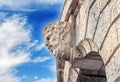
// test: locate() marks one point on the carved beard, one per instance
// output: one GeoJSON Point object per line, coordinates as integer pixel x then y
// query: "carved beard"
{"type": "Point", "coordinates": [55, 53]}
{"type": "Point", "coordinates": [63, 46]}
{"type": "Point", "coordinates": [60, 39]}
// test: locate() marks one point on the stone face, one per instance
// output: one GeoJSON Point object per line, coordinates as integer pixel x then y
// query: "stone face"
{"type": "Point", "coordinates": [86, 26]}
{"type": "Point", "coordinates": [60, 39]}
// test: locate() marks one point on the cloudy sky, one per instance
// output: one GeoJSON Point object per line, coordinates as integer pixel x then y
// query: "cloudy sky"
{"type": "Point", "coordinates": [23, 56]}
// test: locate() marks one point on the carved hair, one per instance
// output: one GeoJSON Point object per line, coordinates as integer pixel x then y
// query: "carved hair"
{"type": "Point", "coordinates": [59, 37]}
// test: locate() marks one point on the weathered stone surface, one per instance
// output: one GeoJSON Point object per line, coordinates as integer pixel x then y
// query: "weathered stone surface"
{"type": "Point", "coordinates": [66, 71]}
{"type": "Point", "coordinates": [85, 78]}
{"type": "Point", "coordinates": [90, 64]}
{"type": "Point", "coordinates": [60, 39]}
{"type": "Point", "coordinates": [94, 26]}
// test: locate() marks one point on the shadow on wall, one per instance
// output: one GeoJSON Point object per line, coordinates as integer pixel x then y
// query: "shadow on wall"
{"type": "Point", "coordinates": [92, 68]}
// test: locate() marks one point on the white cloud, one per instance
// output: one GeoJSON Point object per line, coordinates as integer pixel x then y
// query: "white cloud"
{"type": "Point", "coordinates": [40, 59]}
{"type": "Point", "coordinates": [27, 5]}
{"type": "Point", "coordinates": [35, 77]}
{"type": "Point", "coordinates": [13, 33]}
{"type": "Point", "coordinates": [50, 1]}
{"type": "Point", "coordinates": [47, 80]}
{"type": "Point", "coordinates": [39, 47]}
{"type": "Point", "coordinates": [9, 76]}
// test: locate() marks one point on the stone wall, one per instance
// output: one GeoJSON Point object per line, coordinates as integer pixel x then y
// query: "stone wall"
{"type": "Point", "coordinates": [86, 41]}
{"type": "Point", "coordinates": [99, 21]}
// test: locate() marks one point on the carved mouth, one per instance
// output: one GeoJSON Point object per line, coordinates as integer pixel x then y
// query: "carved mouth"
{"type": "Point", "coordinates": [51, 48]}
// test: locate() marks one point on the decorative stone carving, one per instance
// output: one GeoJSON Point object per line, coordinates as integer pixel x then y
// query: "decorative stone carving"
{"type": "Point", "coordinates": [60, 39]}
{"type": "Point", "coordinates": [96, 28]}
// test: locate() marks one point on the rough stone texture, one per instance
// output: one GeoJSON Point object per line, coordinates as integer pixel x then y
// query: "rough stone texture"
{"type": "Point", "coordinates": [59, 37]}
{"type": "Point", "coordinates": [83, 78]}
{"type": "Point", "coordinates": [96, 27]}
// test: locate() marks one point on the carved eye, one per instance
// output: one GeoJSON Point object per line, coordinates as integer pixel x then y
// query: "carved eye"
{"type": "Point", "coordinates": [67, 37]}
{"type": "Point", "coordinates": [48, 38]}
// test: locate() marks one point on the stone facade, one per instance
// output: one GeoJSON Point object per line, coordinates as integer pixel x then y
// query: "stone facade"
{"type": "Point", "coordinates": [86, 41]}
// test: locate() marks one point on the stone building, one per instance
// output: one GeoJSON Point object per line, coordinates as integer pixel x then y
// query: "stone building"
{"type": "Point", "coordinates": [86, 41]}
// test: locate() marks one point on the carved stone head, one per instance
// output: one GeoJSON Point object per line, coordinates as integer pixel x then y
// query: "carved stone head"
{"type": "Point", "coordinates": [59, 37]}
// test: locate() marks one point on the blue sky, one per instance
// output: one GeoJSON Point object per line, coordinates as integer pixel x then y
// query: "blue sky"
{"type": "Point", "coordinates": [23, 55]}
